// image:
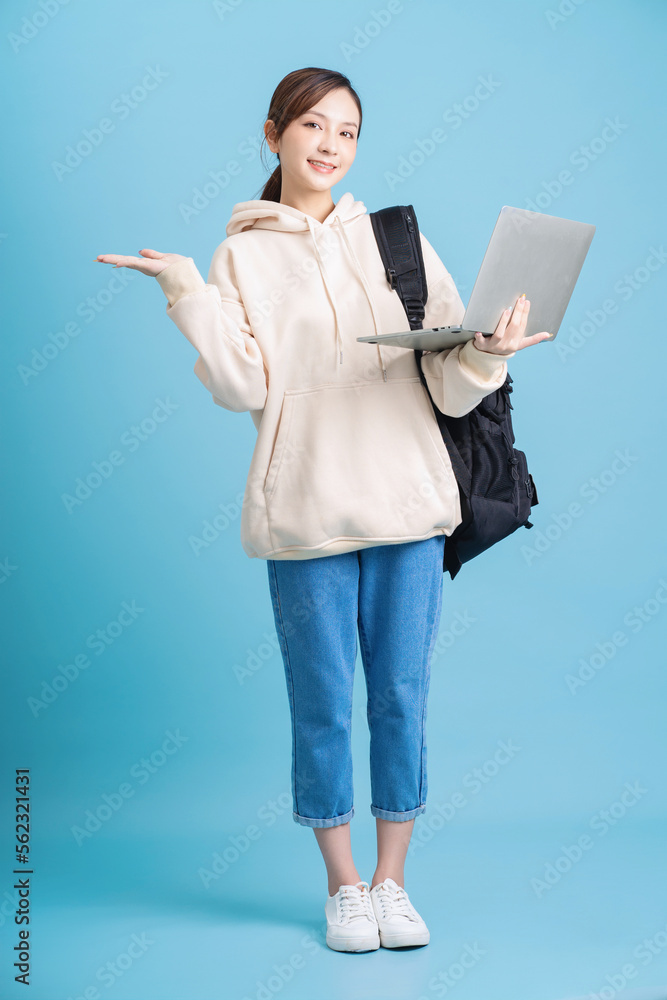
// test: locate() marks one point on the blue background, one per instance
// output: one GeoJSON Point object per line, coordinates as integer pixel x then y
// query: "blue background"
{"type": "Point", "coordinates": [539, 608]}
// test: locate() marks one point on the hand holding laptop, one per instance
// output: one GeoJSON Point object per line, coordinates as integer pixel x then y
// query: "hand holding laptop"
{"type": "Point", "coordinates": [542, 253]}
{"type": "Point", "coordinates": [508, 336]}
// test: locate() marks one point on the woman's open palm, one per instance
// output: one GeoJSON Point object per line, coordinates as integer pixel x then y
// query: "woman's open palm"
{"type": "Point", "coordinates": [151, 262]}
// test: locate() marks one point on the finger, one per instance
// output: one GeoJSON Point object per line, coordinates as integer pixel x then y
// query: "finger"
{"type": "Point", "coordinates": [519, 320]}
{"type": "Point", "coordinates": [154, 254]}
{"type": "Point", "coordinates": [519, 310]}
{"type": "Point", "coordinates": [502, 324]}
{"type": "Point", "coordinates": [536, 338]}
{"type": "Point", "coordinates": [119, 260]}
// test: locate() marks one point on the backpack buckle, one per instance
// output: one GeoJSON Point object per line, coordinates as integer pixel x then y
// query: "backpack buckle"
{"type": "Point", "coordinates": [391, 278]}
{"type": "Point", "coordinates": [415, 309]}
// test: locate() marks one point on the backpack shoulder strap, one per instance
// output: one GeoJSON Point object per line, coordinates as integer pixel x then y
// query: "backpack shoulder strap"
{"type": "Point", "coordinates": [397, 235]}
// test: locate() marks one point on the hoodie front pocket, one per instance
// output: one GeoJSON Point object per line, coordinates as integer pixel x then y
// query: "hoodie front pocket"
{"type": "Point", "coordinates": [279, 447]}
{"type": "Point", "coordinates": [358, 460]}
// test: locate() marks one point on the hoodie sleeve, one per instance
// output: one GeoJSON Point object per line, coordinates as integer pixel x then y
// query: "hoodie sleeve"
{"type": "Point", "coordinates": [213, 318]}
{"type": "Point", "coordinates": [458, 377]}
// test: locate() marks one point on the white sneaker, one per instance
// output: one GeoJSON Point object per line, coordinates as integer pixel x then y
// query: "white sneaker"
{"type": "Point", "coordinates": [351, 923]}
{"type": "Point", "coordinates": [398, 921]}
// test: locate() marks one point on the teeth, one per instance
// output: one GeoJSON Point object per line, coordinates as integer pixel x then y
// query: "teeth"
{"type": "Point", "coordinates": [318, 163]}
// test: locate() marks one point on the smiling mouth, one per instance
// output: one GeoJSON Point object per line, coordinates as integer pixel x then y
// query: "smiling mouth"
{"type": "Point", "coordinates": [320, 165]}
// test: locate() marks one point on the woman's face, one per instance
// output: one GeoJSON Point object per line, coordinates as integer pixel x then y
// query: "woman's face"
{"type": "Point", "coordinates": [328, 133]}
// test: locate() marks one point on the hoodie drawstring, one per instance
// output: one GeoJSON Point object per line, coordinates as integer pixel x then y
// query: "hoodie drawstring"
{"type": "Point", "coordinates": [329, 289]}
{"type": "Point", "coordinates": [366, 287]}
{"type": "Point", "coordinates": [332, 297]}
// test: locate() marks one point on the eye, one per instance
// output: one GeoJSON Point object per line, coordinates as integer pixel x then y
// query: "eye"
{"type": "Point", "coordinates": [345, 132]}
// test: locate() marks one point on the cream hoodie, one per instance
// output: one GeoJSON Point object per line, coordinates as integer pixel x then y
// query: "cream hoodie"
{"type": "Point", "coordinates": [348, 452]}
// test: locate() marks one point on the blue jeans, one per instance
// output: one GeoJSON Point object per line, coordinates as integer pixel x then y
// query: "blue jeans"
{"type": "Point", "coordinates": [393, 595]}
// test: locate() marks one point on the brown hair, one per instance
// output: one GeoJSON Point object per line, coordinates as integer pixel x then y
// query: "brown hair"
{"type": "Point", "coordinates": [296, 93]}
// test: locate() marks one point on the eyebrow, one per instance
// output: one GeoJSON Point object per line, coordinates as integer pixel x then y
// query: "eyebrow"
{"type": "Point", "coordinates": [320, 115]}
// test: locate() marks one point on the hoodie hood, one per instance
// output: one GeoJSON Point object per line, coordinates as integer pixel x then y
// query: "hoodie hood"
{"type": "Point", "coordinates": [262, 214]}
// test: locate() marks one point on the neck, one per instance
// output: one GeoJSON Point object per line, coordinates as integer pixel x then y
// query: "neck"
{"type": "Point", "coordinates": [317, 204]}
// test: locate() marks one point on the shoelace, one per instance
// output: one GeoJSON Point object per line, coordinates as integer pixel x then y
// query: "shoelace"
{"type": "Point", "coordinates": [396, 901]}
{"type": "Point", "coordinates": [355, 902]}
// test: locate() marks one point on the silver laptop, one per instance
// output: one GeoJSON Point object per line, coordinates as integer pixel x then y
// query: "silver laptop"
{"type": "Point", "coordinates": [529, 252]}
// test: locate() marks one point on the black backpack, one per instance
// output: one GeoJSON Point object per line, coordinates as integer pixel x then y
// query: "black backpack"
{"type": "Point", "coordinates": [495, 487]}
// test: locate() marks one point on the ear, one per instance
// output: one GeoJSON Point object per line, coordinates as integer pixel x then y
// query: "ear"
{"type": "Point", "coordinates": [269, 132]}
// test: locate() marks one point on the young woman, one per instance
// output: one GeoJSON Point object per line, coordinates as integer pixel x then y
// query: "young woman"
{"type": "Point", "coordinates": [350, 491]}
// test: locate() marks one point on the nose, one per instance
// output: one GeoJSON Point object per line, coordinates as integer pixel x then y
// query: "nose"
{"type": "Point", "coordinates": [327, 145]}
